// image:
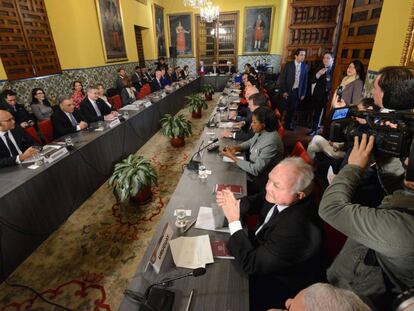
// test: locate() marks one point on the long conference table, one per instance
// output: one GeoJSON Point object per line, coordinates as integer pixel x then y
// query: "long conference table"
{"type": "Point", "coordinates": [224, 286]}
{"type": "Point", "coordinates": [35, 203]}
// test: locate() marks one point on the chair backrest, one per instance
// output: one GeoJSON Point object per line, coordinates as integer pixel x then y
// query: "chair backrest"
{"type": "Point", "coordinates": [115, 101]}
{"type": "Point", "coordinates": [300, 151]}
{"type": "Point", "coordinates": [145, 90]}
{"type": "Point", "coordinates": [31, 131]}
{"type": "Point", "coordinates": [46, 129]}
{"type": "Point", "coordinates": [277, 114]}
{"type": "Point", "coordinates": [281, 130]}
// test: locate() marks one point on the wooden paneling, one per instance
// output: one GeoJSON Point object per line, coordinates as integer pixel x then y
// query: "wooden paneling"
{"type": "Point", "coordinates": [217, 41]}
{"type": "Point", "coordinates": [27, 48]}
{"type": "Point", "coordinates": [140, 45]}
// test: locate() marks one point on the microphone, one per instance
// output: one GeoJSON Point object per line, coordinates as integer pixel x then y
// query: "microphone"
{"type": "Point", "coordinates": [192, 164]}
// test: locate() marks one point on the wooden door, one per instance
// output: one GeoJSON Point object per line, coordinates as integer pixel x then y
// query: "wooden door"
{"type": "Point", "coordinates": [361, 18]}
{"type": "Point", "coordinates": [140, 45]}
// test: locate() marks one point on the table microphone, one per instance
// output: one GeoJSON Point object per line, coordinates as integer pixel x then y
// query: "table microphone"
{"type": "Point", "coordinates": [193, 164]}
{"type": "Point", "coordinates": [161, 299]}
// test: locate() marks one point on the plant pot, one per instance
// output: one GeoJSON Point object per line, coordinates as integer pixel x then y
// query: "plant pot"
{"type": "Point", "coordinates": [177, 142]}
{"type": "Point", "coordinates": [209, 96]}
{"type": "Point", "coordinates": [144, 196]}
{"type": "Point", "coordinates": [196, 114]}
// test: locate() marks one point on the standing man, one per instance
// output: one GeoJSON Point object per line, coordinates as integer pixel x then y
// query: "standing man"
{"type": "Point", "coordinates": [320, 96]}
{"type": "Point", "coordinates": [121, 75]}
{"type": "Point", "coordinates": [136, 78]}
{"type": "Point", "coordinates": [293, 85]}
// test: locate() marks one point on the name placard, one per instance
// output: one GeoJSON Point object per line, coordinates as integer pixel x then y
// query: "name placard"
{"type": "Point", "coordinates": [114, 123]}
{"type": "Point", "coordinates": [161, 248]}
{"type": "Point", "coordinates": [56, 155]}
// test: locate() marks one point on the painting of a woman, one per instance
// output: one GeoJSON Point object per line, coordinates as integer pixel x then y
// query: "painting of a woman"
{"type": "Point", "coordinates": [181, 34]}
{"type": "Point", "coordinates": [180, 38]}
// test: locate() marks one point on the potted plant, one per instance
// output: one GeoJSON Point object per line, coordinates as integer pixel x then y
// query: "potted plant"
{"type": "Point", "coordinates": [208, 91]}
{"type": "Point", "coordinates": [133, 178]}
{"type": "Point", "coordinates": [176, 128]}
{"type": "Point", "coordinates": [195, 103]}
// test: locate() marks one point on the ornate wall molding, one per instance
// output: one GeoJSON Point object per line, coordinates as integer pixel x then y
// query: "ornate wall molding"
{"type": "Point", "coordinates": [406, 58]}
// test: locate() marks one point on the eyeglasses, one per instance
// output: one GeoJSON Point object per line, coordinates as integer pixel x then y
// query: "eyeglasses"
{"type": "Point", "coordinates": [7, 120]}
{"type": "Point", "coordinates": [40, 93]}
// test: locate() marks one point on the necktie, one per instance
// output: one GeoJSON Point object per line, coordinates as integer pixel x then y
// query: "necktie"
{"type": "Point", "coordinates": [73, 120]}
{"type": "Point", "coordinates": [272, 211]}
{"type": "Point", "coordinates": [12, 147]}
{"type": "Point", "coordinates": [98, 112]}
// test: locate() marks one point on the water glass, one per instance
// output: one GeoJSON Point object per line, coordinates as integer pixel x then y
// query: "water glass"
{"type": "Point", "coordinates": [202, 172]}
{"type": "Point", "coordinates": [181, 220]}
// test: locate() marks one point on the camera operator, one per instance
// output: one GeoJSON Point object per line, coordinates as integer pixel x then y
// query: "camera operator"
{"type": "Point", "coordinates": [377, 260]}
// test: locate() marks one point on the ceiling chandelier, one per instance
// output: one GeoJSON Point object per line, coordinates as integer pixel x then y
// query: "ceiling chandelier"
{"type": "Point", "coordinates": [195, 3]}
{"type": "Point", "coordinates": [209, 12]}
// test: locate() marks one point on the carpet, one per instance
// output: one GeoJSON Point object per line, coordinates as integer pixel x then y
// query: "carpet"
{"type": "Point", "coordinates": [88, 262]}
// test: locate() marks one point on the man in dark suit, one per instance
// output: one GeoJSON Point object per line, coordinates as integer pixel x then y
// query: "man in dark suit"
{"type": "Point", "coordinates": [121, 75]}
{"type": "Point", "coordinates": [156, 84]}
{"type": "Point", "coordinates": [323, 84]}
{"type": "Point", "coordinates": [94, 109]}
{"type": "Point", "coordinates": [293, 85]}
{"type": "Point", "coordinates": [215, 70]}
{"type": "Point", "coordinates": [136, 78]}
{"type": "Point", "coordinates": [284, 254]}
{"type": "Point", "coordinates": [145, 75]}
{"type": "Point", "coordinates": [176, 75]}
{"type": "Point", "coordinates": [66, 119]}
{"type": "Point", "coordinates": [230, 69]}
{"type": "Point", "coordinates": [8, 102]}
{"type": "Point", "coordinates": [15, 144]}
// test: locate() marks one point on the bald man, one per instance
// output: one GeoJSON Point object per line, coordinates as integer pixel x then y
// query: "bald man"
{"type": "Point", "coordinates": [15, 144]}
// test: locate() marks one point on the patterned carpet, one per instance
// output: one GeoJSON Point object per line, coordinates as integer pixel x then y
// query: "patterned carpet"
{"type": "Point", "coordinates": [87, 263]}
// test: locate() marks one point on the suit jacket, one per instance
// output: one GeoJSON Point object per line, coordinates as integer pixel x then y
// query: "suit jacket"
{"type": "Point", "coordinates": [136, 81]}
{"type": "Point", "coordinates": [20, 113]}
{"type": "Point", "coordinates": [119, 84]}
{"type": "Point", "coordinates": [61, 123]}
{"type": "Point", "coordinates": [126, 100]}
{"type": "Point", "coordinates": [226, 70]}
{"type": "Point", "coordinates": [288, 248]}
{"type": "Point", "coordinates": [352, 93]}
{"type": "Point", "coordinates": [184, 75]}
{"type": "Point", "coordinates": [175, 77]}
{"type": "Point", "coordinates": [146, 78]}
{"type": "Point", "coordinates": [323, 86]}
{"type": "Point", "coordinates": [155, 86]}
{"type": "Point", "coordinates": [23, 140]}
{"type": "Point", "coordinates": [287, 78]}
{"type": "Point", "coordinates": [89, 113]}
{"type": "Point", "coordinates": [211, 70]}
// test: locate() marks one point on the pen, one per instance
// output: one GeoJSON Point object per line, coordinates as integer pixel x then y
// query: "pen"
{"type": "Point", "coordinates": [190, 225]}
{"type": "Point", "coordinates": [189, 300]}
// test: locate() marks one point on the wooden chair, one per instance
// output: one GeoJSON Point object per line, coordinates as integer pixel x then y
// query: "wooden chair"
{"type": "Point", "coordinates": [46, 129]}
{"type": "Point", "coordinates": [31, 131]}
{"type": "Point", "coordinates": [300, 151]}
{"type": "Point", "coordinates": [115, 101]}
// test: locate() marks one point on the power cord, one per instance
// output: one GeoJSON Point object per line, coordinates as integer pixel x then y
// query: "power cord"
{"type": "Point", "coordinates": [3, 276]}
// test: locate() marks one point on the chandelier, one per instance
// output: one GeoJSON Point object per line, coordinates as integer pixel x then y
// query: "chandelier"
{"type": "Point", "coordinates": [195, 3]}
{"type": "Point", "coordinates": [209, 12]}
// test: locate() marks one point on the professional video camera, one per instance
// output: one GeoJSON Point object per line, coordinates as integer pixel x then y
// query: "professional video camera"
{"type": "Point", "coordinates": [395, 141]}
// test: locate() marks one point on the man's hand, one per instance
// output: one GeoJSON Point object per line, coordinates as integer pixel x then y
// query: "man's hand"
{"type": "Point", "coordinates": [115, 113]}
{"type": "Point", "coordinates": [83, 125]}
{"type": "Point", "coordinates": [109, 117]}
{"type": "Point", "coordinates": [320, 73]}
{"type": "Point", "coordinates": [361, 152]}
{"type": "Point", "coordinates": [28, 153]}
{"type": "Point", "coordinates": [232, 115]}
{"type": "Point", "coordinates": [227, 134]}
{"type": "Point", "coordinates": [231, 207]}
{"type": "Point", "coordinates": [285, 95]}
{"type": "Point", "coordinates": [239, 125]}
{"type": "Point", "coordinates": [302, 97]}
{"type": "Point", "coordinates": [24, 124]}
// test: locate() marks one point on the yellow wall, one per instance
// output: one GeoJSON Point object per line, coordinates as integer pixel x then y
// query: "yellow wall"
{"type": "Point", "coordinates": [390, 37]}
{"type": "Point", "coordinates": [176, 6]}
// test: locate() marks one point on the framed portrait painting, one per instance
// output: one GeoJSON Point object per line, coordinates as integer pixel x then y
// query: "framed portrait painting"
{"type": "Point", "coordinates": [407, 58]}
{"type": "Point", "coordinates": [257, 32]}
{"type": "Point", "coordinates": [112, 30]}
{"type": "Point", "coordinates": [159, 27]}
{"type": "Point", "coordinates": [181, 33]}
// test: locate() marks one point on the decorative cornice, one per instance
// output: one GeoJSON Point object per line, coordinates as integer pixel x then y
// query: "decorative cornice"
{"type": "Point", "coordinates": [409, 40]}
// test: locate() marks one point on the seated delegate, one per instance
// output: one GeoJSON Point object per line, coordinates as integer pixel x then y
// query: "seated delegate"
{"type": "Point", "coordinates": [15, 144]}
{"type": "Point", "coordinates": [40, 105]}
{"type": "Point", "coordinates": [265, 149]}
{"type": "Point", "coordinates": [8, 102]}
{"type": "Point", "coordinates": [284, 253]}
{"type": "Point", "coordinates": [66, 119]}
{"type": "Point", "coordinates": [94, 109]}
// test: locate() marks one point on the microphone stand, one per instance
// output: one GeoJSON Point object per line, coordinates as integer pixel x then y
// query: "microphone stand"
{"type": "Point", "coordinates": [193, 164]}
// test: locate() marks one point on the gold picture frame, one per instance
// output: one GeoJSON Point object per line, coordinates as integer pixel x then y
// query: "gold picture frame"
{"type": "Point", "coordinates": [252, 46]}
{"type": "Point", "coordinates": [111, 26]}
{"type": "Point", "coordinates": [159, 30]}
{"type": "Point", "coordinates": [407, 58]}
{"type": "Point", "coordinates": [184, 50]}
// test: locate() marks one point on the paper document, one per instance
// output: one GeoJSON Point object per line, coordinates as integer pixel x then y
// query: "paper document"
{"type": "Point", "coordinates": [192, 252]}
{"type": "Point", "coordinates": [226, 125]}
{"type": "Point", "coordinates": [227, 159]}
{"type": "Point", "coordinates": [205, 220]}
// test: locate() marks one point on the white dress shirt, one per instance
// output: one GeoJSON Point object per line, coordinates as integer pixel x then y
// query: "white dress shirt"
{"type": "Point", "coordinates": [297, 75]}
{"type": "Point", "coordinates": [235, 226]}
{"type": "Point", "coordinates": [14, 143]}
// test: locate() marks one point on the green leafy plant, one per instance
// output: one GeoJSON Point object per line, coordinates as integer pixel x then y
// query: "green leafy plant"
{"type": "Point", "coordinates": [208, 89]}
{"type": "Point", "coordinates": [132, 175]}
{"type": "Point", "coordinates": [175, 126]}
{"type": "Point", "coordinates": [195, 103]}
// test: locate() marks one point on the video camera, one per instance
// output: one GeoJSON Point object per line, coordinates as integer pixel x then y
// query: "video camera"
{"type": "Point", "coordinates": [395, 142]}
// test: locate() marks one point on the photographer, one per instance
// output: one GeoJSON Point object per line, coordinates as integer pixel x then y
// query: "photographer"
{"type": "Point", "coordinates": [377, 260]}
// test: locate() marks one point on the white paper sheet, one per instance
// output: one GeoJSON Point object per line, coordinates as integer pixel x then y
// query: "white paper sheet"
{"type": "Point", "coordinates": [227, 159]}
{"type": "Point", "coordinates": [192, 252]}
{"type": "Point", "coordinates": [205, 220]}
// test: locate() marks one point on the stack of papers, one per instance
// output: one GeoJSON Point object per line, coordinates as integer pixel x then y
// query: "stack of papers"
{"type": "Point", "coordinates": [192, 252]}
{"type": "Point", "coordinates": [205, 220]}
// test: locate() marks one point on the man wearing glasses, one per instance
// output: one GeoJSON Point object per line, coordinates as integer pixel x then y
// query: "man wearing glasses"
{"type": "Point", "coordinates": [15, 145]}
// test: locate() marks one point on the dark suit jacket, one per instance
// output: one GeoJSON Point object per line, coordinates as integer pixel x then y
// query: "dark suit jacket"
{"type": "Point", "coordinates": [226, 70]}
{"type": "Point", "coordinates": [136, 81]}
{"type": "Point", "coordinates": [183, 75]}
{"type": "Point", "coordinates": [287, 78]}
{"type": "Point", "coordinates": [89, 112]}
{"type": "Point", "coordinates": [23, 140]}
{"type": "Point", "coordinates": [20, 114]}
{"type": "Point", "coordinates": [155, 86]}
{"type": "Point", "coordinates": [322, 87]}
{"type": "Point", "coordinates": [119, 84]}
{"type": "Point", "coordinates": [146, 78]}
{"type": "Point", "coordinates": [175, 77]}
{"type": "Point", "coordinates": [211, 70]}
{"type": "Point", "coordinates": [61, 123]}
{"type": "Point", "coordinates": [287, 250]}
{"type": "Point", "coordinates": [126, 100]}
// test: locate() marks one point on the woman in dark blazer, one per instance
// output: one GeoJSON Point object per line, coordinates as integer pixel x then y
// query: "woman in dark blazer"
{"type": "Point", "coordinates": [127, 92]}
{"type": "Point", "coordinates": [185, 72]}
